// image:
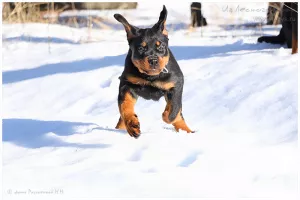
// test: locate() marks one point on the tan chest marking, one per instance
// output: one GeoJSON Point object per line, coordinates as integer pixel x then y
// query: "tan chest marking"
{"type": "Point", "coordinates": [158, 84]}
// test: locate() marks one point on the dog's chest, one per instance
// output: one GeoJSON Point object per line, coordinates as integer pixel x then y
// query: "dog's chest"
{"type": "Point", "coordinates": [149, 89]}
{"type": "Point", "coordinates": [149, 92]}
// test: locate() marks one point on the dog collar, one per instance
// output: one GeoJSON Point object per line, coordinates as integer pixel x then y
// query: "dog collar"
{"type": "Point", "coordinates": [165, 70]}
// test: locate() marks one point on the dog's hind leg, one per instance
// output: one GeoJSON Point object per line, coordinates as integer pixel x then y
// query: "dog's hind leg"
{"type": "Point", "coordinates": [179, 123]}
{"type": "Point", "coordinates": [172, 113]}
{"type": "Point", "coordinates": [279, 39]}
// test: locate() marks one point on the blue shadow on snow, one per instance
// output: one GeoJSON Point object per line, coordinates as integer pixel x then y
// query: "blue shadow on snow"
{"type": "Point", "coordinates": [31, 133]}
{"type": "Point", "coordinates": [180, 53]}
{"type": "Point", "coordinates": [61, 68]}
{"type": "Point", "coordinates": [23, 38]}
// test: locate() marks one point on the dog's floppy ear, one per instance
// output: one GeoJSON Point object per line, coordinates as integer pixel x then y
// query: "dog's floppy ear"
{"type": "Point", "coordinates": [130, 30]}
{"type": "Point", "coordinates": [161, 24]}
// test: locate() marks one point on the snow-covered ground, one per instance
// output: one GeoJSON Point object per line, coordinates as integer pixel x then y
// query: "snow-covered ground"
{"type": "Point", "coordinates": [60, 110]}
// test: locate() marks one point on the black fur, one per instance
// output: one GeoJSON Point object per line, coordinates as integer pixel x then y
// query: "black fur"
{"type": "Point", "coordinates": [153, 93]}
{"type": "Point", "coordinates": [289, 21]}
{"type": "Point", "coordinates": [174, 75]}
{"type": "Point", "coordinates": [196, 15]}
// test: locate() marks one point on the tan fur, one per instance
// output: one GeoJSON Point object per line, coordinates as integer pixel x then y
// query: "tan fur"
{"type": "Point", "coordinates": [121, 124]}
{"type": "Point", "coordinates": [178, 122]}
{"type": "Point", "coordinates": [144, 67]}
{"type": "Point", "coordinates": [128, 31]}
{"type": "Point", "coordinates": [158, 84]}
{"type": "Point", "coordinates": [144, 44]}
{"type": "Point", "coordinates": [129, 119]}
{"type": "Point", "coordinates": [294, 44]}
{"type": "Point", "coordinates": [163, 85]}
{"type": "Point", "coordinates": [127, 106]}
{"type": "Point", "coordinates": [163, 61]}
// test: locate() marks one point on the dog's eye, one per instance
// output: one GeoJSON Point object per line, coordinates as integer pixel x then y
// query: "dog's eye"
{"type": "Point", "coordinates": [141, 49]}
{"type": "Point", "coordinates": [160, 47]}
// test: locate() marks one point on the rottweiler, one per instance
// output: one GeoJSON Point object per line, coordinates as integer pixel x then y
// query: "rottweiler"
{"type": "Point", "coordinates": [289, 31]}
{"type": "Point", "coordinates": [150, 72]}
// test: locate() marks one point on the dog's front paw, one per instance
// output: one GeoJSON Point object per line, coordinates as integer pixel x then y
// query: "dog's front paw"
{"type": "Point", "coordinates": [261, 39]}
{"type": "Point", "coordinates": [133, 126]}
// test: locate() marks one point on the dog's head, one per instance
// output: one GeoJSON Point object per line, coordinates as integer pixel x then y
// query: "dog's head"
{"type": "Point", "coordinates": [149, 46]}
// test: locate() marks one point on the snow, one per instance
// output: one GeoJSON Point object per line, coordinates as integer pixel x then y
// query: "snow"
{"type": "Point", "coordinates": [60, 109]}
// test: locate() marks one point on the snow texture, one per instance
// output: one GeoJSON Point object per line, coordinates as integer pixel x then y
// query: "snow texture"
{"type": "Point", "coordinates": [60, 110]}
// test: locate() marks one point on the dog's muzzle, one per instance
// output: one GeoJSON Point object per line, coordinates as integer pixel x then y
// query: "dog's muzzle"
{"type": "Point", "coordinates": [153, 61]}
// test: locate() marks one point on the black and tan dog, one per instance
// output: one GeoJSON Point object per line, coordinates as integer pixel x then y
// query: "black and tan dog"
{"type": "Point", "coordinates": [151, 72]}
{"type": "Point", "coordinates": [289, 31]}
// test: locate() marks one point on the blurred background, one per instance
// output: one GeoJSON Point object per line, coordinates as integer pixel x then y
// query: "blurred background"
{"type": "Point", "coordinates": [61, 64]}
{"type": "Point", "coordinates": [223, 19]}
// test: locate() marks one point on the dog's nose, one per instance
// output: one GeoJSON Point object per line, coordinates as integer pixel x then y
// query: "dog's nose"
{"type": "Point", "coordinates": [153, 61]}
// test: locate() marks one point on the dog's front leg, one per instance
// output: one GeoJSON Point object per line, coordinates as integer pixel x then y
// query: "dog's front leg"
{"type": "Point", "coordinates": [128, 119]}
{"type": "Point", "coordinates": [173, 111]}
{"type": "Point", "coordinates": [279, 39]}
